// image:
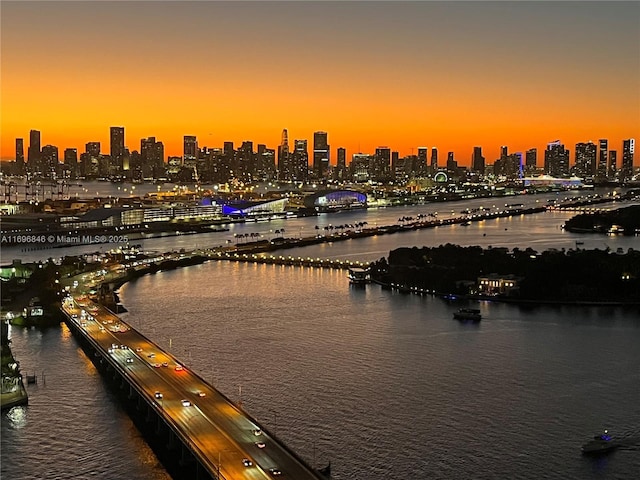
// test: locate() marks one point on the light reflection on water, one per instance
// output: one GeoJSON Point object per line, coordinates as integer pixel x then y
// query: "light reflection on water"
{"type": "Point", "coordinates": [381, 384]}
{"type": "Point", "coordinates": [387, 385]}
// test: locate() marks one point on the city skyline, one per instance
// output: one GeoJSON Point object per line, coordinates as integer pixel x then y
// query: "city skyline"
{"type": "Point", "coordinates": [403, 75]}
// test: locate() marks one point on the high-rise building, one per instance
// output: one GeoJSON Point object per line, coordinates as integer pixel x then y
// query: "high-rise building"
{"type": "Point", "coordinates": [612, 168]}
{"type": "Point", "coordinates": [626, 170]}
{"type": "Point", "coordinates": [34, 153]}
{"type": "Point", "coordinates": [423, 164]}
{"type": "Point", "coordinates": [341, 165]}
{"type": "Point", "coordinates": [50, 161]}
{"type": "Point", "coordinates": [90, 160]}
{"type": "Point", "coordinates": [360, 167]}
{"type": "Point", "coordinates": [434, 160]}
{"type": "Point", "coordinates": [452, 165]}
{"type": "Point", "coordinates": [380, 170]}
{"type": "Point", "coordinates": [300, 161]}
{"type": "Point", "coordinates": [190, 151]}
{"type": "Point", "coordinates": [320, 155]}
{"type": "Point", "coordinates": [585, 159]}
{"type": "Point", "coordinates": [93, 149]}
{"type": "Point", "coordinates": [20, 167]}
{"type": "Point", "coordinates": [285, 167]}
{"type": "Point", "coordinates": [152, 157]}
{"type": "Point", "coordinates": [556, 159]}
{"type": "Point", "coordinates": [531, 160]}
{"type": "Point", "coordinates": [603, 159]}
{"type": "Point", "coordinates": [117, 149]}
{"type": "Point", "coordinates": [71, 162]}
{"type": "Point", "coordinates": [477, 160]}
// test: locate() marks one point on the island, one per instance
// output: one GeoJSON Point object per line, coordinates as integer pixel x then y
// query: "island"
{"type": "Point", "coordinates": [553, 276]}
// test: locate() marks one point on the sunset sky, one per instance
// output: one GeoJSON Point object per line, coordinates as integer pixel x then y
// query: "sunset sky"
{"type": "Point", "coordinates": [450, 75]}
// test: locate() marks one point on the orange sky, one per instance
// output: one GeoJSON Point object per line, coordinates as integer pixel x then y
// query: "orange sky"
{"type": "Point", "coordinates": [404, 76]}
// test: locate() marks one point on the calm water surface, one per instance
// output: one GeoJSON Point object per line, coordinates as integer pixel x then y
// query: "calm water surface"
{"type": "Point", "coordinates": [383, 385]}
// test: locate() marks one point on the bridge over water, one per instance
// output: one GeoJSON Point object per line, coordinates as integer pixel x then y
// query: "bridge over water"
{"type": "Point", "coordinates": [199, 430]}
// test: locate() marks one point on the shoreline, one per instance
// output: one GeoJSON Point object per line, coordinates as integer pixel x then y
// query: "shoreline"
{"type": "Point", "coordinates": [514, 301]}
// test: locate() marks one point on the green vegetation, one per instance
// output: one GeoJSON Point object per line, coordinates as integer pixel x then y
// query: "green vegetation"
{"type": "Point", "coordinates": [622, 220]}
{"type": "Point", "coordinates": [553, 275]}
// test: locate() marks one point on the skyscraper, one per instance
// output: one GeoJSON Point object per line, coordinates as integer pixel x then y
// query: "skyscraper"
{"type": "Point", "coordinates": [300, 161]}
{"type": "Point", "coordinates": [71, 162]}
{"type": "Point", "coordinates": [381, 168]}
{"type": "Point", "coordinates": [626, 170]}
{"type": "Point", "coordinates": [50, 161]}
{"type": "Point", "coordinates": [116, 149]}
{"type": "Point", "coordinates": [531, 160]}
{"type": "Point", "coordinates": [585, 159]}
{"type": "Point", "coordinates": [556, 159]}
{"type": "Point", "coordinates": [452, 165]}
{"type": "Point", "coordinates": [190, 151]}
{"type": "Point", "coordinates": [477, 160]}
{"type": "Point", "coordinates": [602, 159]}
{"type": "Point", "coordinates": [152, 157]}
{"type": "Point", "coordinates": [20, 167]}
{"type": "Point", "coordinates": [285, 169]}
{"type": "Point", "coordinates": [320, 154]}
{"type": "Point", "coordinates": [434, 160]}
{"type": "Point", "coordinates": [423, 165]}
{"type": "Point", "coordinates": [612, 168]}
{"type": "Point", "coordinates": [34, 154]}
{"type": "Point", "coordinates": [341, 165]}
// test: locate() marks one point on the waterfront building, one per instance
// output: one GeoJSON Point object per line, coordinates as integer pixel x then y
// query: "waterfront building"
{"type": "Point", "coordinates": [255, 210]}
{"type": "Point", "coordinates": [601, 171]}
{"type": "Point", "coordinates": [585, 159]}
{"type": "Point", "coordinates": [495, 284]}
{"type": "Point", "coordinates": [320, 155]}
{"type": "Point", "coordinates": [556, 159]}
{"type": "Point", "coordinates": [531, 161]}
{"type": "Point", "coordinates": [626, 170]}
{"type": "Point", "coordinates": [117, 150]}
{"type": "Point", "coordinates": [335, 200]}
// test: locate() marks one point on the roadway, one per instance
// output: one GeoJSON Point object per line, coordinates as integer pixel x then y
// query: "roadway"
{"type": "Point", "coordinates": [225, 438]}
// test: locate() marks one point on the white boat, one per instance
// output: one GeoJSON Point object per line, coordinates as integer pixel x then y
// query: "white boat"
{"type": "Point", "coordinates": [359, 275]}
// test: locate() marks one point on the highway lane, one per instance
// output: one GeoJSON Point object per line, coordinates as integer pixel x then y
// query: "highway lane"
{"type": "Point", "coordinates": [214, 426]}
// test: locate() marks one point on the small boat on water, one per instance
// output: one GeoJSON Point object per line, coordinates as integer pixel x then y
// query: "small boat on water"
{"type": "Point", "coordinates": [600, 444]}
{"type": "Point", "coordinates": [359, 275]}
{"type": "Point", "coordinates": [469, 314]}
